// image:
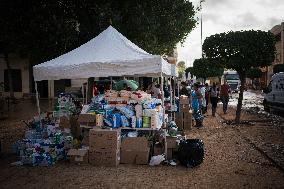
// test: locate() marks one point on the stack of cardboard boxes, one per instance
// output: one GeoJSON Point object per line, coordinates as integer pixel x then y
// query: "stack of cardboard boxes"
{"type": "Point", "coordinates": [171, 147]}
{"type": "Point", "coordinates": [78, 156]}
{"type": "Point", "coordinates": [135, 150]}
{"type": "Point", "coordinates": [104, 147]}
{"type": "Point", "coordinates": [88, 120]}
{"type": "Point", "coordinates": [183, 118]}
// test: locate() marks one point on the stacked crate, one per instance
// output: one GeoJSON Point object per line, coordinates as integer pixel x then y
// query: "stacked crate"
{"type": "Point", "coordinates": [104, 147]}
{"type": "Point", "coordinates": [183, 118]}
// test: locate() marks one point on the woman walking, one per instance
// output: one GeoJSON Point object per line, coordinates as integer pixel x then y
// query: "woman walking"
{"type": "Point", "coordinates": [214, 94]}
{"type": "Point", "coordinates": [195, 104]}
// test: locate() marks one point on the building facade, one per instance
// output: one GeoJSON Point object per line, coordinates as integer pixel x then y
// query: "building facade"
{"type": "Point", "coordinates": [23, 83]}
{"type": "Point", "coordinates": [278, 32]}
{"type": "Point", "coordinates": [20, 70]}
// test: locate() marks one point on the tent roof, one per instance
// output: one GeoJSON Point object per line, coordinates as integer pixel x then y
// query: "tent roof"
{"type": "Point", "coordinates": [108, 54]}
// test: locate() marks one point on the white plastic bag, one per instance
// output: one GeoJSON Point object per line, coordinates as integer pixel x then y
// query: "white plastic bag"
{"type": "Point", "coordinates": [157, 160]}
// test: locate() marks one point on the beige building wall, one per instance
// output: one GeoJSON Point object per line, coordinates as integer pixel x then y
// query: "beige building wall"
{"type": "Point", "coordinates": [278, 31]}
{"type": "Point", "coordinates": [16, 63]}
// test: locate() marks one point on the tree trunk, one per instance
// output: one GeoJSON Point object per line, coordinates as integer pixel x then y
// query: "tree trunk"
{"type": "Point", "coordinates": [240, 100]}
{"type": "Point", "coordinates": [90, 89]}
{"type": "Point", "coordinates": [11, 89]}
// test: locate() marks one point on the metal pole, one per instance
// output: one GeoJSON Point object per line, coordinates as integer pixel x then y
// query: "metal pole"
{"type": "Point", "coordinates": [87, 90]}
{"type": "Point", "coordinates": [163, 105]}
{"type": "Point", "coordinates": [201, 1]}
{"type": "Point", "coordinates": [37, 99]}
{"type": "Point", "coordinates": [171, 98]}
{"type": "Point", "coordinates": [83, 93]}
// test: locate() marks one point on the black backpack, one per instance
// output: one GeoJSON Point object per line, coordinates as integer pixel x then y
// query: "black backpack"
{"type": "Point", "coordinates": [191, 152]}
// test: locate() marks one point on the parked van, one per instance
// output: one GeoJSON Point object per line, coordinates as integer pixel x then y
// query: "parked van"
{"type": "Point", "coordinates": [274, 93]}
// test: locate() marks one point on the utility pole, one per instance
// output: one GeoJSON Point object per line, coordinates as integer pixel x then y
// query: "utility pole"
{"type": "Point", "coordinates": [200, 6]}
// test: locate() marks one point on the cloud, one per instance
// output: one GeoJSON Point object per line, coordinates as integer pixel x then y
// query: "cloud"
{"type": "Point", "coordinates": [225, 15]}
{"type": "Point", "coordinates": [215, 3]}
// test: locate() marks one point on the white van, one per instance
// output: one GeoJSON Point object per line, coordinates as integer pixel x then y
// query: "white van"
{"type": "Point", "coordinates": [274, 93]}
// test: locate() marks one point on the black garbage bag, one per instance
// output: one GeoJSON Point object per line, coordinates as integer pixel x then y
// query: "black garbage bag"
{"type": "Point", "coordinates": [191, 152]}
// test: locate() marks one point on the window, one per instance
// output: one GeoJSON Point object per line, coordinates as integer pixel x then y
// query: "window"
{"type": "Point", "coordinates": [16, 80]}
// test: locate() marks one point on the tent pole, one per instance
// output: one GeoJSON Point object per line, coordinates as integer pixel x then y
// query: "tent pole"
{"type": "Point", "coordinates": [83, 93]}
{"type": "Point", "coordinates": [110, 83]}
{"type": "Point", "coordinates": [87, 90]}
{"type": "Point", "coordinates": [37, 99]}
{"type": "Point", "coordinates": [171, 92]}
{"type": "Point", "coordinates": [163, 105]}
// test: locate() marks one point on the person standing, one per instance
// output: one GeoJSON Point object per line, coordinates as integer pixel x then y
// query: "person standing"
{"type": "Point", "coordinates": [224, 95]}
{"type": "Point", "coordinates": [207, 95]}
{"type": "Point", "coordinates": [157, 91]}
{"type": "Point", "coordinates": [184, 90]}
{"type": "Point", "coordinates": [203, 100]}
{"type": "Point", "coordinates": [213, 95]}
{"type": "Point", "coordinates": [195, 104]}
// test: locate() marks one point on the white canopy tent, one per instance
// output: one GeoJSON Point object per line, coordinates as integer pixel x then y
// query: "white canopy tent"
{"type": "Point", "coordinates": [108, 54]}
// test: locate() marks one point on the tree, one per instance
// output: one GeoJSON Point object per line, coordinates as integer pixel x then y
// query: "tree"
{"type": "Point", "coordinates": [42, 29]}
{"type": "Point", "coordinates": [278, 68]}
{"type": "Point", "coordinates": [241, 50]}
{"type": "Point", "coordinates": [181, 68]}
{"type": "Point", "coordinates": [203, 68]}
{"type": "Point", "coordinates": [254, 73]}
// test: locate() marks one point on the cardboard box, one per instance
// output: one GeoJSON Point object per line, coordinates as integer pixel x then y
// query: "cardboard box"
{"type": "Point", "coordinates": [169, 153]}
{"type": "Point", "coordinates": [135, 150]}
{"type": "Point", "coordinates": [104, 157]}
{"type": "Point", "coordinates": [184, 108]}
{"type": "Point", "coordinates": [78, 155]}
{"type": "Point", "coordinates": [75, 127]}
{"type": "Point", "coordinates": [184, 100]}
{"type": "Point", "coordinates": [134, 143]}
{"type": "Point", "coordinates": [187, 115]}
{"type": "Point", "coordinates": [135, 157]}
{"type": "Point", "coordinates": [101, 139]}
{"type": "Point", "coordinates": [187, 124]}
{"type": "Point", "coordinates": [87, 119]}
{"type": "Point", "coordinates": [179, 124]}
{"type": "Point", "coordinates": [64, 123]}
{"type": "Point", "coordinates": [171, 142]}
{"type": "Point", "coordinates": [158, 150]}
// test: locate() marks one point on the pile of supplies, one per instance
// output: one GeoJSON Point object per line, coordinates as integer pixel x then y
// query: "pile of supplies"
{"type": "Point", "coordinates": [123, 108]}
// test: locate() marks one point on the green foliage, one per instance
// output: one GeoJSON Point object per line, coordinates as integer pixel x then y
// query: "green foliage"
{"type": "Point", "coordinates": [181, 68]}
{"type": "Point", "coordinates": [203, 68]}
{"type": "Point", "coordinates": [241, 50]}
{"type": "Point", "coordinates": [254, 73]}
{"type": "Point", "coordinates": [43, 29]}
{"type": "Point", "coordinates": [278, 68]}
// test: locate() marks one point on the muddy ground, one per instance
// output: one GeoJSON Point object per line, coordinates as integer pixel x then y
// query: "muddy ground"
{"type": "Point", "coordinates": [245, 156]}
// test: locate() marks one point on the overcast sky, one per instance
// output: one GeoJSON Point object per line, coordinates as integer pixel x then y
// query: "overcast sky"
{"type": "Point", "coordinates": [224, 15]}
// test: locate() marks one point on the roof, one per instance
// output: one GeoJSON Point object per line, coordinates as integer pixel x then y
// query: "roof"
{"type": "Point", "coordinates": [108, 54]}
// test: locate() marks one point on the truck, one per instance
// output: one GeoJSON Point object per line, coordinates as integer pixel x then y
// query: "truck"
{"type": "Point", "coordinates": [274, 94]}
{"type": "Point", "coordinates": [233, 80]}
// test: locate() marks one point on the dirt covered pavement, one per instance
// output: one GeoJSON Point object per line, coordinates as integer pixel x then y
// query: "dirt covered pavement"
{"type": "Point", "coordinates": [246, 156]}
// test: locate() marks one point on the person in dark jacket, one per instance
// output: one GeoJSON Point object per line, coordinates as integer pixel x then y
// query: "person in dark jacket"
{"type": "Point", "coordinates": [184, 90]}
{"type": "Point", "coordinates": [214, 95]}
